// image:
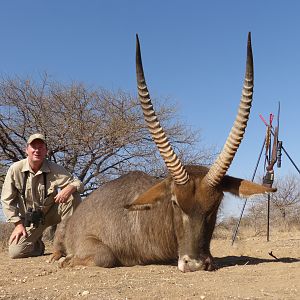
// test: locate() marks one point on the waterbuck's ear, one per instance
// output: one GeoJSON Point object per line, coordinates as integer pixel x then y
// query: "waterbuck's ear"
{"type": "Point", "coordinates": [154, 195]}
{"type": "Point", "coordinates": [244, 188]}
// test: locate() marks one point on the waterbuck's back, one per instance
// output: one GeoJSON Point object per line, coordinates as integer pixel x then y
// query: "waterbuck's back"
{"type": "Point", "coordinates": [135, 237]}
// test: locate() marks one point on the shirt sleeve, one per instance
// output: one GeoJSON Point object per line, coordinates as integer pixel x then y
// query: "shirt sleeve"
{"type": "Point", "coordinates": [10, 198]}
{"type": "Point", "coordinates": [76, 183]}
{"type": "Point", "coordinates": [64, 178]}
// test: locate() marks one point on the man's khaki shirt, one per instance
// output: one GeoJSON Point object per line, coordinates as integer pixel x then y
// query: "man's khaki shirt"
{"type": "Point", "coordinates": [57, 177]}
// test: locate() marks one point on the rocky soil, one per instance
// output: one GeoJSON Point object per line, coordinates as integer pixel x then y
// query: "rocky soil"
{"type": "Point", "coordinates": [246, 271]}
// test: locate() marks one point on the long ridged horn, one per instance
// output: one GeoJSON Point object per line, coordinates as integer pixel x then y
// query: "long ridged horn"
{"type": "Point", "coordinates": [222, 163]}
{"type": "Point", "coordinates": [170, 158]}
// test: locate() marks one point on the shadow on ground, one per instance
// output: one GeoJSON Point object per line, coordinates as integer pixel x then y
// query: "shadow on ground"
{"type": "Point", "coordinates": [229, 261]}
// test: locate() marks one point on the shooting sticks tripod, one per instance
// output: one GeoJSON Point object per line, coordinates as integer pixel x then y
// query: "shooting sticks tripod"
{"type": "Point", "coordinates": [271, 156]}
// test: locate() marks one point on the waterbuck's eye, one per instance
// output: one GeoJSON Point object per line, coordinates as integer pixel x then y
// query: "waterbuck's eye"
{"type": "Point", "coordinates": [174, 203]}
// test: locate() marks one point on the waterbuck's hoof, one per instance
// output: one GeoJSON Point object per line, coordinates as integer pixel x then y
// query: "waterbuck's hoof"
{"type": "Point", "coordinates": [66, 261]}
{"type": "Point", "coordinates": [55, 256]}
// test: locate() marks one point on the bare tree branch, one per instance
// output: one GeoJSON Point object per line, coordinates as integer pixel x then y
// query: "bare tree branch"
{"type": "Point", "coordinates": [96, 134]}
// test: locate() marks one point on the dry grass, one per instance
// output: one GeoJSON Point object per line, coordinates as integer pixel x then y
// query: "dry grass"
{"type": "Point", "coordinates": [225, 232]}
{"type": "Point", "coordinates": [5, 232]}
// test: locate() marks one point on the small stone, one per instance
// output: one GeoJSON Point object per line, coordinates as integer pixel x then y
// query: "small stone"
{"type": "Point", "coordinates": [84, 293]}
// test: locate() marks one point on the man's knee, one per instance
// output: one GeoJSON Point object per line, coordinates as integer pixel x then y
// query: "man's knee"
{"type": "Point", "coordinates": [26, 249]}
{"type": "Point", "coordinates": [67, 209]}
{"type": "Point", "coordinates": [20, 250]}
{"type": "Point", "coordinates": [76, 200]}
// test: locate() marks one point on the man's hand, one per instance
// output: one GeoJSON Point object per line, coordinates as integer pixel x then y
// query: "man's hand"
{"type": "Point", "coordinates": [64, 194]}
{"type": "Point", "coordinates": [17, 232]}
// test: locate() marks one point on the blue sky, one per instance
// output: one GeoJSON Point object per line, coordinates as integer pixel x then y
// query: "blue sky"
{"type": "Point", "coordinates": [193, 52]}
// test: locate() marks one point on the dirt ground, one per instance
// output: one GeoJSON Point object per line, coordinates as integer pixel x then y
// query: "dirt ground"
{"type": "Point", "coordinates": [246, 271]}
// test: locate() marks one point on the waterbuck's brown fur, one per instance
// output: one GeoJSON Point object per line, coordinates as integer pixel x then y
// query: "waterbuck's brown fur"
{"type": "Point", "coordinates": [137, 219]}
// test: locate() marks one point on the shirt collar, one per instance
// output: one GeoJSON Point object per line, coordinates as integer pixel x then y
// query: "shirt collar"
{"type": "Point", "coordinates": [44, 168]}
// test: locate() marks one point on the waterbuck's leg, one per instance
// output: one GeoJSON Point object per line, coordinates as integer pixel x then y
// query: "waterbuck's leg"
{"type": "Point", "coordinates": [59, 249]}
{"type": "Point", "coordinates": [92, 252]}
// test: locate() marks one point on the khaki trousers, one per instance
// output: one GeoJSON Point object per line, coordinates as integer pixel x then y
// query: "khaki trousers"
{"type": "Point", "coordinates": [32, 245]}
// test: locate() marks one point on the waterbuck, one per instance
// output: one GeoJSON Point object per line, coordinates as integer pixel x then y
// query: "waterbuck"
{"type": "Point", "coordinates": [137, 219]}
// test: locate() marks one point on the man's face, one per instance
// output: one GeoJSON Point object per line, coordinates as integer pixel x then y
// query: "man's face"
{"type": "Point", "coordinates": [36, 151]}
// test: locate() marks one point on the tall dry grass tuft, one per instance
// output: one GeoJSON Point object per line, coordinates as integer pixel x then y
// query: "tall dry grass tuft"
{"type": "Point", "coordinates": [5, 232]}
